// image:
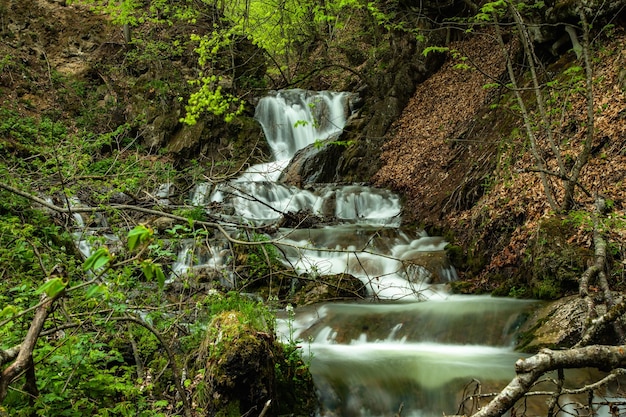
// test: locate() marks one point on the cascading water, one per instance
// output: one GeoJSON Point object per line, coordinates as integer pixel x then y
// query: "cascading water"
{"type": "Point", "coordinates": [367, 359]}
{"type": "Point", "coordinates": [412, 348]}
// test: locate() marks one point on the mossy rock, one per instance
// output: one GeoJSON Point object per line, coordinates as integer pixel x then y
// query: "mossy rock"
{"type": "Point", "coordinates": [557, 324]}
{"type": "Point", "coordinates": [242, 371]}
{"type": "Point", "coordinates": [553, 265]}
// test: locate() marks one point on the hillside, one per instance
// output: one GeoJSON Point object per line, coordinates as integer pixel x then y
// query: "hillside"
{"type": "Point", "coordinates": [456, 151]}
{"type": "Point", "coordinates": [465, 165]}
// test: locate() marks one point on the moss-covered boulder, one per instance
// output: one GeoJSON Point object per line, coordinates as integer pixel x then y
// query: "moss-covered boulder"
{"type": "Point", "coordinates": [245, 367]}
{"type": "Point", "coordinates": [555, 264]}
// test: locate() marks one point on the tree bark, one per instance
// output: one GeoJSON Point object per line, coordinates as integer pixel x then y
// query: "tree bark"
{"type": "Point", "coordinates": [24, 358]}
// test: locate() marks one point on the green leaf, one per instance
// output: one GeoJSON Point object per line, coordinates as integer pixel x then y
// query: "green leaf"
{"type": "Point", "coordinates": [148, 269]}
{"type": "Point", "coordinates": [137, 236]}
{"type": "Point", "coordinates": [430, 49]}
{"type": "Point", "coordinates": [8, 311]}
{"type": "Point", "coordinates": [96, 291]}
{"type": "Point", "coordinates": [97, 259]}
{"type": "Point", "coordinates": [160, 276]}
{"type": "Point", "coordinates": [52, 287]}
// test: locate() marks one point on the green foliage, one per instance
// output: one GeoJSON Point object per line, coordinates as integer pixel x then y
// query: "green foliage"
{"type": "Point", "coordinates": [52, 287]}
{"type": "Point", "coordinates": [488, 10]}
{"type": "Point", "coordinates": [517, 292]}
{"type": "Point", "coordinates": [260, 259]}
{"type": "Point", "coordinates": [251, 312]}
{"type": "Point", "coordinates": [80, 376]}
{"type": "Point", "coordinates": [98, 259]}
{"type": "Point", "coordinates": [429, 49]}
{"type": "Point", "coordinates": [210, 98]}
{"type": "Point", "coordinates": [138, 235]}
{"type": "Point", "coordinates": [547, 289]}
{"type": "Point", "coordinates": [193, 214]}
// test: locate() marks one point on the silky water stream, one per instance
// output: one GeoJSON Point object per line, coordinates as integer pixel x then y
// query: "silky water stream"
{"type": "Point", "coordinates": [411, 346]}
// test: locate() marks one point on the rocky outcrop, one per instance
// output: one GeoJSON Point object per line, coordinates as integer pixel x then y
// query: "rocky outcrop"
{"type": "Point", "coordinates": [386, 95]}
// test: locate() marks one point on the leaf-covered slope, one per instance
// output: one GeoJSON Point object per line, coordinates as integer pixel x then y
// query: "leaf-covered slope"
{"type": "Point", "coordinates": [461, 157]}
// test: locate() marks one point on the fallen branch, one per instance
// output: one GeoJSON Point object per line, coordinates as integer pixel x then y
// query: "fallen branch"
{"type": "Point", "coordinates": [529, 370]}
{"type": "Point", "coordinates": [24, 358]}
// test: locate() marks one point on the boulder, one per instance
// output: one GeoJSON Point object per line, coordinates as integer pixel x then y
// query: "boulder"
{"type": "Point", "coordinates": [247, 367]}
{"type": "Point", "coordinates": [557, 324]}
{"type": "Point", "coordinates": [330, 287]}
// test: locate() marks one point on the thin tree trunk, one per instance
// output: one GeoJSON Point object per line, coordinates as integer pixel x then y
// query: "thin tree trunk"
{"type": "Point", "coordinates": [532, 64]}
{"type": "Point", "coordinates": [24, 358]}
{"type": "Point", "coordinates": [526, 117]}
{"type": "Point", "coordinates": [584, 155]}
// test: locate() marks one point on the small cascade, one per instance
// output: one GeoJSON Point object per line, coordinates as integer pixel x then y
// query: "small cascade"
{"type": "Point", "coordinates": [365, 239]}
{"type": "Point", "coordinates": [203, 263]}
{"type": "Point", "coordinates": [294, 119]}
{"type": "Point", "coordinates": [372, 359]}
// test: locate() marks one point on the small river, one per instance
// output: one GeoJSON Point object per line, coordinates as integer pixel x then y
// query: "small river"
{"type": "Point", "coordinates": [410, 348]}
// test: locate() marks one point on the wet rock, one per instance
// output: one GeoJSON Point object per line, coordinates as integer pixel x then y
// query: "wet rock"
{"type": "Point", "coordinates": [429, 267]}
{"type": "Point", "coordinates": [314, 164]}
{"type": "Point", "coordinates": [330, 287]}
{"type": "Point", "coordinates": [555, 325]}
{"type": "Point", "coordinates": [303, 219]}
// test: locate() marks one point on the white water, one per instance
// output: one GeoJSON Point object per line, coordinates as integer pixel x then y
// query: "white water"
{"type": "Point", "coordinates": [369, 359]}
{"type": "Point", "coordinates": [294, 119]}
{"type": "Point", "coordinates": [367, 243]}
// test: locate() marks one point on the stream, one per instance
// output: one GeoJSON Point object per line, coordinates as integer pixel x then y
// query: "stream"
{"type": "Point", "coordinates": [412, 347]}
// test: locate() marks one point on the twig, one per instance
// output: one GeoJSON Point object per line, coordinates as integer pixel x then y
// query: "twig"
{"type": "Point", "coordinates": [265, 408]}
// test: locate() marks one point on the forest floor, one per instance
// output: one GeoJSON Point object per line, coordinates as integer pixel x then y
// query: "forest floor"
{"type": "Point", "coordinates": [466, 165]}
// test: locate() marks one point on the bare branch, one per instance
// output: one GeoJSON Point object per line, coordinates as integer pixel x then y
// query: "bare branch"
{"type": "Point", "coordinates": [530, 369]}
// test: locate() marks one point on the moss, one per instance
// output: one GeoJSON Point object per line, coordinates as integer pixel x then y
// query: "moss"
{"type": "Point", "coordinates": [456, 255]}
{"type": "Point", "coordinates": [461, 287]}
{"type": "Point", "coordinates": [246, 367]}
{"type": "Point", "coordinates": [526, 338]}
{"type": "Point", "coordinates": [553, 265]}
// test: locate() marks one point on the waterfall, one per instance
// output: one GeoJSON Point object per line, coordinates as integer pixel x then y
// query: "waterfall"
{"type": "Point", "coordinates": [419, 347]}
{"type": "Point", "coordinates": [294, 119]}
{"type": "Point", "coordinates": [365, 239]}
